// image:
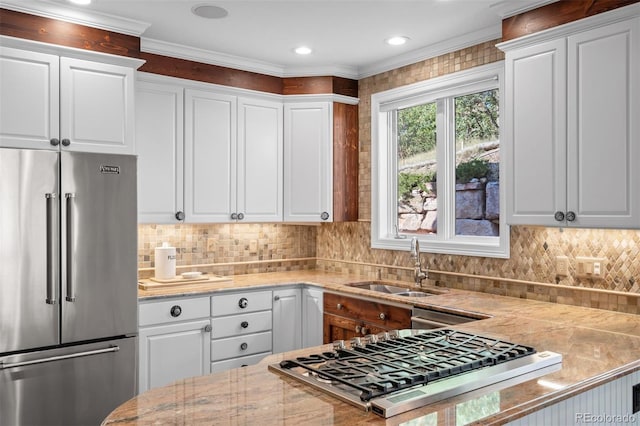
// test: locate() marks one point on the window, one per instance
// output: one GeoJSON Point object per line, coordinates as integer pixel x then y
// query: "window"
{"type": "Point", "coordinates": [436, 165]}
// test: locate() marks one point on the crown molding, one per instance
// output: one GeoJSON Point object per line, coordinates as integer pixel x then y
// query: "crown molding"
{"type": "Point", "coordinates": [434, 50]}
{"type": "Point", "coordinates": [78, 16]}
{"type": "Point", "coordinates": [506, 9]}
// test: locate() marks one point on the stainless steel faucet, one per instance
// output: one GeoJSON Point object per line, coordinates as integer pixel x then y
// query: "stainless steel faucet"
{"type": "Point", "coordinates": [419, 274]}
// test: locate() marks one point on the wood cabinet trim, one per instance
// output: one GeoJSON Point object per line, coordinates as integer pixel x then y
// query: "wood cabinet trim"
{"type": "Point", "coordinates": [555, 14]}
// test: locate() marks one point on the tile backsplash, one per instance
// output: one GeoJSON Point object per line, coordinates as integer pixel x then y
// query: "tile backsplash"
{"type": "Point", "coordinates": [230, 248]}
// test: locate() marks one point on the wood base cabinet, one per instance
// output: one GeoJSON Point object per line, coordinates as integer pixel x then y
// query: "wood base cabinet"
{"type": "Point", "coordinates": [347, 317]}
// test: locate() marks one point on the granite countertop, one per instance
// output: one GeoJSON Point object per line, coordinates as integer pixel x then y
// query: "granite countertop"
{"type": "Point", "coordinates": [597, 346]}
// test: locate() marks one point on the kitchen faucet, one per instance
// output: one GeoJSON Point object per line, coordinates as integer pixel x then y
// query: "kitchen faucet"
{"type": "Point", "coordinates": [419, 274]}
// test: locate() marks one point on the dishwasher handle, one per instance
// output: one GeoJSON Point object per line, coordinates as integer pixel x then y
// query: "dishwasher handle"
{"type": "Point", "coordinates": [425, 324]}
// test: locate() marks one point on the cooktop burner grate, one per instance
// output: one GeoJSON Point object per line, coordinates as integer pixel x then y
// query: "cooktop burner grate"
{"type": "Point", "coordinates": [384, 367]}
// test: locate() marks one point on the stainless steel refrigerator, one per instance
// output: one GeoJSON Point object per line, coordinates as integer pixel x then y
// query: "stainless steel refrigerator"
{"type": "Point", "coordinates": [68, 286]}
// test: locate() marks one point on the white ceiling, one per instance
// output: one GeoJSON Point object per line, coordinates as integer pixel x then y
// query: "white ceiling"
{"type": "Point", "coordinates": [347, 36]}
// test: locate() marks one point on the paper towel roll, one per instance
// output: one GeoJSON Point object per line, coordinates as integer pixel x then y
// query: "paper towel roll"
{"type": "Point", "coordinates": [165, 262]}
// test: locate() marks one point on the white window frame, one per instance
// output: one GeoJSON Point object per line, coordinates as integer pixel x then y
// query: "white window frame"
{"type": "Point", "coordinates": [384, 206]}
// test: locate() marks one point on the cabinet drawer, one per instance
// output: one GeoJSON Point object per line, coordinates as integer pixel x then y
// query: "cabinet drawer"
{"type": "Point", "coordinates": [173, 310]}
{"type": "Point", "coordinates": [237, 303]}
{"type": "Point", "coordinates": [381, 314]}
{"type": "Point", "coordinates": [233, 347]}
{"type": "Point", "coordinates": [229, 364]}
{"type": "Point", "coordinates": [235, 325]}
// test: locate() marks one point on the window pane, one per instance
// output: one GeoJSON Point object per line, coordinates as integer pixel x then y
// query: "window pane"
{"type": "Point", "coordinates": [417, 202]}
{"type": "Point", "coordinates": [477, 164]}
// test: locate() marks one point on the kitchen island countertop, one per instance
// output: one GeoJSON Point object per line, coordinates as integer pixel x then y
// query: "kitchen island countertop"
{"type": "Point", "coordinates": [597, 346]}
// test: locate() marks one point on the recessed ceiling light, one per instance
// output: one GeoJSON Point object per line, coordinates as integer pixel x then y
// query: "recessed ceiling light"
{"type": "Point", "coordinates": [397, 40]}
{"type": "Point", "coordinates": [209, 11]}
{"type": "Point", "coordinates": [302, 50]}
{"type": "Point", "coordinates": [83, 2]}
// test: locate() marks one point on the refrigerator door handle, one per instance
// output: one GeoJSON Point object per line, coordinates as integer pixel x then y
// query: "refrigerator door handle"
{"type": "Point", "coordinates": [59, 357]}
{"type": "Point", "coordinates": [71, 297]}
{"type": "Point", "coordinates": [51, 249]}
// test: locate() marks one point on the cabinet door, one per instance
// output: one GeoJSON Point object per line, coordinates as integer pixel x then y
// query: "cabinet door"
{"type": "Point", "coordinates": [260, 160]}
{"type": "Point", "coordinates": [535, 133]}
{"type": "Point", "coordinates": [308, 162]}
{"type": "Point", "coordinates": [603, 138]}
{"type": "Point", "coordinates": [287, 310]}
{"type": "Point", "coordinates": [29, 99]}
{"type": "Point", "coordinates": [173, 352]}
{"type": "Point", "coordinates": [97, 106]}
{"type": "Point", "coordinates": [160, 148]}
{"type": "Point", "coordinates": [210, 156]}
{"type": "Point", "coordinates": [311, 317]}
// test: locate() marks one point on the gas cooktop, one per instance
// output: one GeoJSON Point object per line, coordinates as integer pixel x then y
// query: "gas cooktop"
{"type": "Point", "coordinates": [401, 370]}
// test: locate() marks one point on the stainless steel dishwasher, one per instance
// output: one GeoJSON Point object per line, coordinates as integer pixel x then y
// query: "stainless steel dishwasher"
{"type": "Point", "coordinates": [426, 319]}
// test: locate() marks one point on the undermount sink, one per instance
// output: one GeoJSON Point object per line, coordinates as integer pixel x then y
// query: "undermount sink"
{"type": "Point", "coordinates": [391, 288]}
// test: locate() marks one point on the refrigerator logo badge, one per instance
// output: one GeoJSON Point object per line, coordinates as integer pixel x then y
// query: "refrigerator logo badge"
{"type": "Point", "coordinates": [110, 170]}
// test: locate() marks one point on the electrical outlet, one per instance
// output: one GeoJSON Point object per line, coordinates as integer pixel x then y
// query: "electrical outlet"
{"type": "Point", "coordinates": [562, 266]}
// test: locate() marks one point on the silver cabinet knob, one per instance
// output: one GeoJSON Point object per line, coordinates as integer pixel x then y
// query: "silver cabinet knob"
{"type": "Point", "coordinates": [559, 216]}
{"type": "Point", "coordinates": [276, 298]}
{"type": "Point", "coordinates": [244, 324]}
{"type": "Point", "coordinates": [243, 303]}
{"type": "Point", "coordinates": [324, 216]}
{"type": "Point", "coordinates": [66, 142]}
{"type": "Point", "coordinates": [358, 328]}
{"type": "Point", "coordinates": [180, 215]}
{"type": "Point", "coordinates": [175, 311]}
{"type": "Point", "coordinates": [234, 216]}
{"type": "Point", "coordinates": [54, 141]}
{"type": "Point", "coordinates": [382, 316]}
{"type": "Point", "coordinates": [207, 328]}
{"type": "Point", "coordinates": [339, 306]}
{"type": "Point", "coordinates": [240, 216]}
{"type": "Point", "coordinates": [244, 346]}
{"type": "Point", "coordinates": [571, 216]}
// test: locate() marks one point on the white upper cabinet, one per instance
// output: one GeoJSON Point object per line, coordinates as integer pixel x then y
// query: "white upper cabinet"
{"type": "Point", "coordinates": [233, 158]}
{"type": "Point", "coordinates": [55, 102]}
{"type": "Point", "coordinates": [97, 106]}
{"type": "Point", "coordinates": [308, 173]}
{"type": "Point", "coordinates": [29, 99]}
{"type": "Point", "coordinates": [259, 161]}
{"type": "Point", "coordinates": [571, 133]}
{"type": "Point", "coordinates": [210, 156]}
{"type": "Point", "coordinates": [160, 149]}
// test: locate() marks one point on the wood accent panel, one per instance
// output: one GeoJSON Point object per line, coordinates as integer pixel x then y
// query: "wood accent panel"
{"type": "Point", "coordinates": [319, 85]}
{"type": "Point", "coordinates": [554, 14]}
{"type": "Point", "coordinates": [345, 86]}
{"type": "Point", "coordinates": [46, 30]}
{"type": "Point", "coordinates": [345, 162]}
{"type": "Point", "coordinates": [191, 70]}
{"type": "Point", "coordinates": [306, 85]}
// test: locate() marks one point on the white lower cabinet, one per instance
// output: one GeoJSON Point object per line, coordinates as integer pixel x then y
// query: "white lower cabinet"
{"type": "Point", "coordinates": [311, 317]}
{"type": "Point", "coordinates": [287, 321]}
{"type": "Point", "coordinates": [182, 337]}
{"type": "Point", "coordinates": [297, 318]}
{"type": "Point", "coordinates": [174, 341]}
{"type": "Point", "coordinates": [241, 329]}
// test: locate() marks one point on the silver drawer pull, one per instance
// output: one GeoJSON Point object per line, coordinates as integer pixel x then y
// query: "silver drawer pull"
{"type": "Point", "coordinates": [244, 346]}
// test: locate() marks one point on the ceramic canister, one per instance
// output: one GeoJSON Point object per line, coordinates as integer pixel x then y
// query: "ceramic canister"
{"type": "Point", "coordinates": [165, 259]}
